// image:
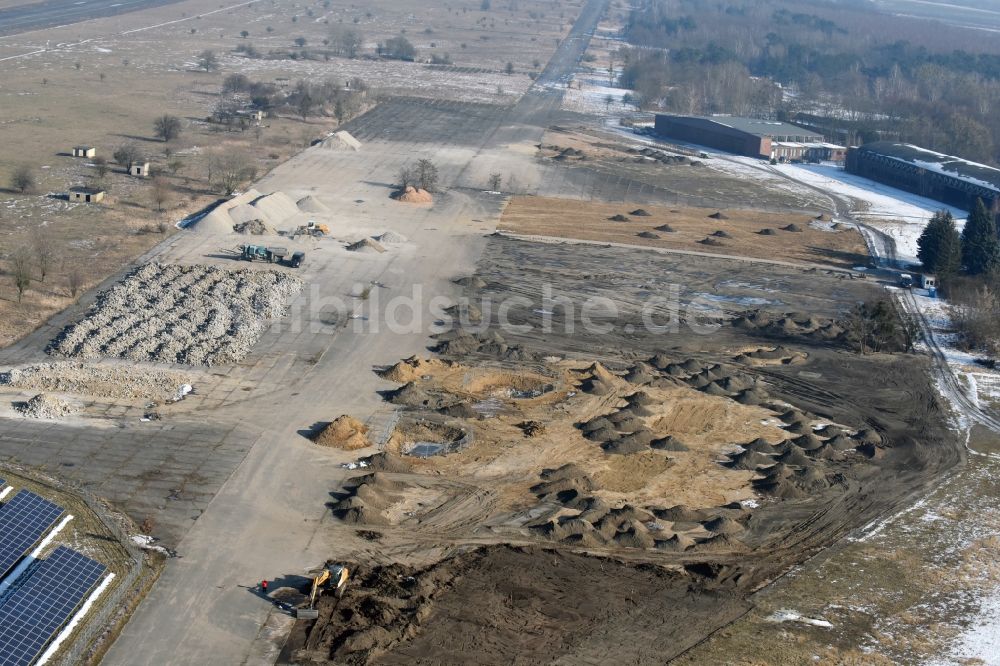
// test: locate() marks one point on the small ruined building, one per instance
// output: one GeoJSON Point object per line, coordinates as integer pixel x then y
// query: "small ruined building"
{"type": "Point", "coordinates": [140, 169]}
{"type": "Point", "coordinates": [84, 151]}
{"type": "Point", "coordinates": [86, 195]}
{"type": "Point", "coordinates": [767, 139]}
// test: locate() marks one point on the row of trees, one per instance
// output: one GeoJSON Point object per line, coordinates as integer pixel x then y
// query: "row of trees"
{"type": "Point", "coordinates": [945, 252]}
{"type": "Point", "coordinates": [342, 100]}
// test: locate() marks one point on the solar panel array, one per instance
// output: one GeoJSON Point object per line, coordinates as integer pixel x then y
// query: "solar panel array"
{"type": "Point", "coordinates": [44, 603]}
{"type": "Point", "coordinates": [24, 520]}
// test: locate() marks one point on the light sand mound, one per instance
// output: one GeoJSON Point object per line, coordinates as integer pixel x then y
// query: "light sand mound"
{"type": "Point", "coordinates": [366, 245]}
{"type": "Point", "coordinates": [414, 195]}
{"type": "Point", "coordinates": [219, 220]}
{"type": "Point", "coordinates": [243, 213]}
{"type": "Point", "coordinates": [277, 207]}
{"type": "Point", "coordinates": [345, 432]}
{"type": "Point", "coordinates": [311, 204]}
{"type": "Point", "coordinates": [413, 368]}
{"type": "Point", "coordinates": [391, 238]}
{"type": "Point", "coordinates": [341, 140]}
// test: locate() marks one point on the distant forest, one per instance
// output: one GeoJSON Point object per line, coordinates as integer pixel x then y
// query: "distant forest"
{"type": "Point", "coordinates": [857, 74]}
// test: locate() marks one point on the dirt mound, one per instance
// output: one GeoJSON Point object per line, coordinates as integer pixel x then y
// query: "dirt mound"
{"type": "Point", "coordinates": [414, 368]}
{"type": "Point", "coordinates": [665, 228]}
{"type": "Point", "coordinates": [824, 217]}
{"type": "Point", "coordinates": [44, 406]}
{"type": "Point", "coordinates": [767, 231]}
{"type": "Point", "coordinates": [668, 443]}
{"type": "Point", "coordinates": [471, 282]}
{"type": "Point", "coordinates": [723, 525]}
{"type": "Point", "coordinates": [345, 432]}
{"type": "Point", "coordinates": [386, 462]}
{"type": "Point", "coordinates": [648, 234]}
{"type": "Point", "coordinates": [341, 140]}
{"type": "Point", "coordinates": [708, 240]}
{"type": "Point", "coordinates": [719, 215]}
{"type": "Point", "coordinates": [366, 245]}
{"type": "Point", "coordinates": [719, 233]}
{"type": "Point", "coordinates": [748, 460]}
{"type": "Point", "coordinates": [310, 204]}
{"type": "Point", "coordinates": [618, 218]}
{"type": "Point", "coordinates": [678, 543]}
{"type": "Point", "coordinates": [255, 228]}
{"type": "Point", "coordinates": [680, 514]}
{"type": "Point", "coordinates": [641, 212]}
{"type": "Point", "coordinates": [496, 604]}
{"type": "Point", "coordinates": [629, 444]}
{"type": "Point", "coordinates": [760, 445]}
{"type": "Point", "coordinates": [792, 227]}
{"type": "Point", "coordinates": [391, 238]}
{"type": "Point", "coordinates": [414, 195]}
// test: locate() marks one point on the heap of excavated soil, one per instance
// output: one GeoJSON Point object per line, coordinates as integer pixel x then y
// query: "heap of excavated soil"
{"type": "Point", "coordinates": [366, 245]}
{"type": "Point", "coordinates": [413, 368]}
{"type": "Point", "coordinates": [98, 380]}
{"type": "Point", "coordinates": [391, 238]}
{"type": "Point", "coordinates": [345, 432]}
{"type": "Point", "coordinates": [414, 195]}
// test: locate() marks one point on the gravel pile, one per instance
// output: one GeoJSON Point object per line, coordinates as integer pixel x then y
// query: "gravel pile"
{"type": "Point", "coordinates": [195, 315]}
{"type": "Point", "coordinates": [45, 407]}
{"type": "Point", "coordinates": [103, 381]}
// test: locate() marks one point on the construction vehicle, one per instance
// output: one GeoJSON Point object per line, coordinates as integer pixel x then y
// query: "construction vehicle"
{"type": "Point", "coordinates": [332, 576]}
{"type": "Point", "coordinates": [296, 259]}
{"type": "Point", "coordinates": [905, 280]}
{"type": "Point", "coordinates": [259, 252]}
{"type": "Point", "coordinates": [312, 228]}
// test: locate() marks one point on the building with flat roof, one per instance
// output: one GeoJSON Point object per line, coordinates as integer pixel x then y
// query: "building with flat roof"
{"type": "Point", "coordinates": [945, 178]}
{"type": "Point", "coordinates": [767, 139]}
{"type": "Point", "coordinates": [86, 194]}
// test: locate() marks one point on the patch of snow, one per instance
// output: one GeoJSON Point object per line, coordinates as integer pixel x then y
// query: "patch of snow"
{"type": "Point", "coordinates": [792, 616]}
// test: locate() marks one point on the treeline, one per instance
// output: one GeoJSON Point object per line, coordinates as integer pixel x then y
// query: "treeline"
{"type": "Point", "coordinates": [328, 97]}
{"type": "Point", "coordinates": [968, 268]}
{"type": "Point", "coordinates": [869, 74]}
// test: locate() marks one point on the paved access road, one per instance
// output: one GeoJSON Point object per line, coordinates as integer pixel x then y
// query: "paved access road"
{"type": "Point", "coordinates": [35, 16]}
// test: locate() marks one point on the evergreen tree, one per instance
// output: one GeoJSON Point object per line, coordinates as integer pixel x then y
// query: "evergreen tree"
{"type": "Point", "coordinates": [980, 246]}
{"type": "Point", "coordinates": [940, 246]}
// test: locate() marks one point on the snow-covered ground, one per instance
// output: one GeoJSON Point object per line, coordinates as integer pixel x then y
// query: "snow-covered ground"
{"type": "Point", "coordinates": [591, 93]}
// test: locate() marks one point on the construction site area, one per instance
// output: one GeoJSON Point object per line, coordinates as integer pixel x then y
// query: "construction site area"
{"type": "Point", "coordinates": [574, 398]}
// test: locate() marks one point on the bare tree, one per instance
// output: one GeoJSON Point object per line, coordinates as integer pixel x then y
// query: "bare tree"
{"type": "Point", "coordinates": [229, 170]}
{"type": "Point", "coordinates": [495, 181]}
{"type": "Point", "coordinates": [160, 193]}
{"type": "Point", "coordinates": [74, 281]}
{"type": "Point", "coordinates": [127, 154]}
{"type": "Point", "coordinates": [426, 175]}
{"type": "Point", "coordinates": [23, 179]}
{"type": "Point", "coordinates": [405, 177]}
{"type": "Point", "coordinates": [208, 61]}
{"type": "Point", "coordinates": [167, 127]}
{"type": "Point", "coordinates": [101, 167]}
{"type": "Point", "coordinates": [44, 251]}
{"type": "Point", "coordinates": [20, 268]}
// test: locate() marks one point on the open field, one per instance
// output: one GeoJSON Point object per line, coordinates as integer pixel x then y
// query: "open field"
{"type": "Point", "coordinates": [737, 232]}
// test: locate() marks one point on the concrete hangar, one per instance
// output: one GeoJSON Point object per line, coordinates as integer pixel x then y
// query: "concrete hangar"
{"type": "Point", "coordinates": [767, 139]}
{"type": "Point", "coordinates": [944, 178]}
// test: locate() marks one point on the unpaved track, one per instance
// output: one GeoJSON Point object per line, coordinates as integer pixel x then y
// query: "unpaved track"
{"type": "Point", "coordinates": [269, 518]}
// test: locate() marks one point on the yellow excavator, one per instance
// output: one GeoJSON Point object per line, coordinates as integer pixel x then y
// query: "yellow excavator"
{"type": "Point", "coordinates": [332, 576]}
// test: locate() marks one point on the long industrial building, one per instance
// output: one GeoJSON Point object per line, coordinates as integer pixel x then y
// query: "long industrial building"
{"type": "Point", "coordinates": [766, 139]}
{"type": "Point", "coordinates": [950, 180]}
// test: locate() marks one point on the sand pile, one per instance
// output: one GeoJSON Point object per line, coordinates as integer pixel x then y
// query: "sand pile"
{"type": "Point", "coordinates": [311, 204]}
{"type": "Point", "coordinates": [44, 406]}
{"type": "Point", "coordinates": [102, 381]}
{"type": "Point", "coordinates": [195, 315]}
{"type": "Point", "coordinates": [391, 238]}
{"type": "Point", "coordinates": [345, 432]}
{"type": "Point", "coordinates": [414, 368]}
{"type": "Point", "coordinates": [414, 195]}
{"type": "Point", "coordinates": [341, 140]}
{"type": "Point", "coordinates": [366, 245]}
{"type": "Point", "coordinates": [267, 210]}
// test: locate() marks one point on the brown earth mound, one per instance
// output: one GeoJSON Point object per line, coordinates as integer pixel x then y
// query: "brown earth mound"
{"type": "Point", "coordinates": [345, 432]}
{"type": "Point", "coordinates": [648, 234]}
{"type": "Point", "coordinates": [719, 215]}
{"type": "Point", "coordinates": [792, 227]}
{"type": "Point", "coordinates": [767, 231]}
{"type": "Point", "coordinates": [366, 245]}
{"type": "Point", "coordinates": [414, 195]}
{"type": "Point", "coordinates": [665, 228]}
{"type": "Point", "coordinates": [618, 218]}
{"type": "Point", "coordinates": [640, 212]}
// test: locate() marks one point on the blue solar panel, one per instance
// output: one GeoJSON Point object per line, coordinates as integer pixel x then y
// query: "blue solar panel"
{"type": "Point", "coordinates": [24, 520]}
{"type": "Point", "coordinates": [32, 615]}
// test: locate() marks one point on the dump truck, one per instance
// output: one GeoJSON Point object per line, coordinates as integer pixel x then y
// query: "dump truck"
{"type": "Point", "coordinates": [259, 252]}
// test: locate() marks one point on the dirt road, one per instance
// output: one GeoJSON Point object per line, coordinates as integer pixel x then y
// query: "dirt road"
{"type": "Point", "coordinates": [269, 519]}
